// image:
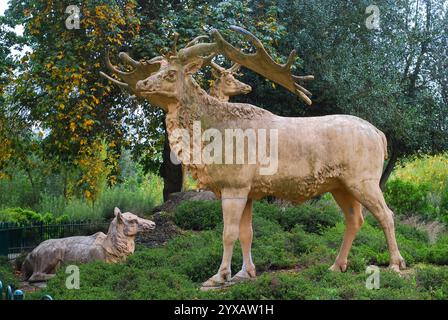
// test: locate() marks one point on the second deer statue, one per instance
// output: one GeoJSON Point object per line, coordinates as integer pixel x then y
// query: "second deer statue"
{"type": "Point", "coordinates": [223, 87]}
{"type": "Point", "coordinates": [340, 154]}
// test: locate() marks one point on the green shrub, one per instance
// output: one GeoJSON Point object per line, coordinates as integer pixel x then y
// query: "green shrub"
{"type": "Point", "coordinates": [198, 215]}
{"type": "Point", "coordinates": [438, 252]}
{"type": "Point", "coordinates": [7, 274]}
{"type": "Point", "coordinates": [313, 217]}
{"type": "Point", "coordinates": [24, 216]}
{"type": "Point", "coordinates": [271, 246]}
{"type": "Point", "coordinates": [407, 198]}
{"type": "Point", "coordinates": [434, 280]}
{"type": "Point", "coordinates": [303, 242]}
{"type": "Point", "coordinates": [138, 199]}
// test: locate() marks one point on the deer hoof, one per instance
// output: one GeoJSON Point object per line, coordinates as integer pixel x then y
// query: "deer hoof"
{"type": "Point", "coordinates": [338, 267]}
{"type": "Point", "coordinates": [215, 282]}
{"type": "Point", "coordinates": [400, 265]}
{"type": "Point", "coordinates": [241, 276]}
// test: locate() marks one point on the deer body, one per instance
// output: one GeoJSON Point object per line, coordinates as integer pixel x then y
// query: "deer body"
{"type": "Point", "coordinates": [306, 168]}
{"type": "Point", "coordinates": [339, 154]}
{"type": "Point", "coordinates": [42, 263]}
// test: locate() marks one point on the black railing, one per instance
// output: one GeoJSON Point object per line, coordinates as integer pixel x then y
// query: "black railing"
{"type": "Point", "coordinates": [16, 238]}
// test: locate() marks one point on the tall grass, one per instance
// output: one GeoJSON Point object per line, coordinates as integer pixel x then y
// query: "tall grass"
{"type": "Point", "coordinates": [138, 198]}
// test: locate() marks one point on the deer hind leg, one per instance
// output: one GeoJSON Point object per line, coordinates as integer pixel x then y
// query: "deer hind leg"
{"type": "Point", "coordinates": [233, 204]}
{"type": "Point", "coordinates": [246, 235]}
{"type": "Point", "coordinates": [369, 194]}
{"type": "Point", "coordinates": [352, 210]}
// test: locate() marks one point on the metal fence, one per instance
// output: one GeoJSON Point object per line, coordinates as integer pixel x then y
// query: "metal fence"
{"type": "Point", "coordinates": [17, 238]}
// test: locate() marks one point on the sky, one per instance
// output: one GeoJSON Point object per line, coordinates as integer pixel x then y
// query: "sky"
{"type": "Point", "coordinates": [3, 6]}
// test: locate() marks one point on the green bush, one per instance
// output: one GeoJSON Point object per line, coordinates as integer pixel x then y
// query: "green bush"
{"type": "Point", "coordinates": [24, 216]}
{"type": "Point", "coordinates": [407, 198]}
{"type": "Point", "coordinates": [198, 215]}
{"type": "Point", "coordinates": [434, 280]}
{"type": "Point", "coordinates": [7, 274]}
{"type": "Point", "coordinates": [438, 252]}
{"type": "Point", "coordinates": [313, 217]}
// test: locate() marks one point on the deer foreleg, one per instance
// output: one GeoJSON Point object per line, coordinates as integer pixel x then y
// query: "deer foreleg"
{"type": "Point", "coordinates": [233, 204]}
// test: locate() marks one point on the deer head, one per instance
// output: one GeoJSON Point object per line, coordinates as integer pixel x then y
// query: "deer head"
{"type": "Point", "coordinates": [131, 223]}
{"type": "Point", "coordinates": [225, 84]}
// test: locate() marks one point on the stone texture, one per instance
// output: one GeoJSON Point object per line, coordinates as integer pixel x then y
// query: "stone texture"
{"type": "Point", "coordinates": [42, 263]}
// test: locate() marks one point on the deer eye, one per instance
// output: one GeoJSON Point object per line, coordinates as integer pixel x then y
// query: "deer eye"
{"type": "Point", "coordinates": [170, 75]}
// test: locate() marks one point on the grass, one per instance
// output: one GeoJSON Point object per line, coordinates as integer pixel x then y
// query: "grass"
{"type": "Point", "coordinates": [292, 263]}
{"type": "Point", "coordinates": [138, 198]}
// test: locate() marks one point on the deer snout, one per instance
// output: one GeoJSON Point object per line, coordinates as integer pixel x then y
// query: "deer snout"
{"type": "Point", "coordinates": [146, 85]}
{"type": "Point", "coordinates": [247, 89]}
{"type": "Point", "coordinates": [148, 225]}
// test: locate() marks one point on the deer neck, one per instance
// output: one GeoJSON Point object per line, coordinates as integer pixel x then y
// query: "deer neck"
{"type": "Point", "coordinates": [117, 245]}
{"type": "Point", "coordinates": [218, 94]}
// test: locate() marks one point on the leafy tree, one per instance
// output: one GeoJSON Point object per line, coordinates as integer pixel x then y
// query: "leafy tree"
{"type": "Point", "coordinates": [60, 88]}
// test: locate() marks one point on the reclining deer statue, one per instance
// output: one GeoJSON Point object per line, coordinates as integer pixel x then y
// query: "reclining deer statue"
{"type": "Point", "coordinates": [340, 154]}
{"type": "Point", "coordinates": [42, 263]}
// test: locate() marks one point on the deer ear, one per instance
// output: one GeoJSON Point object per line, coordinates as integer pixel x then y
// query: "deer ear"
{"type": "Point", "coordinates": [193, 67]}
{"type": "Point", "coordinates": [119, 218]}
{"type": "Point", "coordinates": [116, 211]}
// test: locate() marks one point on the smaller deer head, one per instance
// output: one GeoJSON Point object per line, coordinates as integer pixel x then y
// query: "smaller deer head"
{"type": "Point", "coordinates": [225, 84]}
{"type": "Point", "coordinates": [131, 223]}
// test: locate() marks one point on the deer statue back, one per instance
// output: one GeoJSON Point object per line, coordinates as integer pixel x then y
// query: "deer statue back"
{"type": "Point", "coordinates": [340, 154]}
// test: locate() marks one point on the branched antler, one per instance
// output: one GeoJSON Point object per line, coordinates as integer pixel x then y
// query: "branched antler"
{"type": "Point", "coordinates": [142, 70]}
{"type": "Point", "coordinates": [262, 63]}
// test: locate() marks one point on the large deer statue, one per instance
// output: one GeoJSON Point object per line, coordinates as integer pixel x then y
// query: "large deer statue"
{"type": "Point", "coordinates": [340, 154]}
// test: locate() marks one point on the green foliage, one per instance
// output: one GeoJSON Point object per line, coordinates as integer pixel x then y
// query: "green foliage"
{"type": "Point", "coordinates": [176, 270]}
{"type": "Point", "coordinates": [23, 216]}
{"type": "Point", "coordinates": [408, 198]}
{"type": "Point", "coordinates": [7, 274]}
{"type": "Point", "coordinates": [423, 169]}
{"type": "Point", "coordinates": [438, 253]}
{"type": "Point", "coordinates": [433, 279]}
{"type": "Point", "coordinates": [314, 217]}
{"type": "Point", "coordinates": [198, 215]}
{"type": "Point", "coordinates": [138, 195]}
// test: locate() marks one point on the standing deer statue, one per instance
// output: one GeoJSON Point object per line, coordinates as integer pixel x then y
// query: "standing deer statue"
{"type": "Point", "coordinates": [225, 84]}
{"type": "Point", "coordinates": [340, 154]}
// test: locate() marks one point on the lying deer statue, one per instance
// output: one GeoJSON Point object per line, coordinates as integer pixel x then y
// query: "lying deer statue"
{"type": "Point", "coordinates": [340, 154]}
{"type": "Point", "coordinates": [42, 263]}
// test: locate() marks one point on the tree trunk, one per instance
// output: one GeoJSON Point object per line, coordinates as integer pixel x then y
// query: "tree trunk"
{"type": "Point", "coordinates": [170, 172]}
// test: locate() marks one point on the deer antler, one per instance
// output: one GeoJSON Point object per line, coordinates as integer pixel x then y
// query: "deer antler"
{"type": "Point", "coordinates": [142, 70]}
{"type": "Point", "coordinates": [235, 68]}
{"type": "Point", "coordinates": [262, 63]}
